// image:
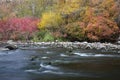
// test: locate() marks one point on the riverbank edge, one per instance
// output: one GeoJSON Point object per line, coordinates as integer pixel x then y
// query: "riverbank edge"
{"type": "Point", "coordinates": [71, 45]}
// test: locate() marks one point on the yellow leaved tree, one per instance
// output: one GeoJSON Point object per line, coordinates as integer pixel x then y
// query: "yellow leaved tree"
{"type": "Point", "coordinates": [50, 20]}
{"type": "Point", "coordinates": [69, 6]}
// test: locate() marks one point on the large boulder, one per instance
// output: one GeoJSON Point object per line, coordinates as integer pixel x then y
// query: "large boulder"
{"type": "Point", "coordinates": [11, 47]}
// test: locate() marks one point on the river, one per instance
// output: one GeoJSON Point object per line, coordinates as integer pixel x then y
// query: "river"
{"type": "Point", "coordinates": [47, 63]}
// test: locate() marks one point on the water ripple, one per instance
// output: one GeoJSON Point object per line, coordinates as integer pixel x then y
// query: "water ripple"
{"type": "Point", "coordinates": [94, 55]}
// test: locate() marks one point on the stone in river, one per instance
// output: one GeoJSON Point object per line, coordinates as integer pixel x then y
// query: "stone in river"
{"type": "Point", "coordinates": [11, 47]}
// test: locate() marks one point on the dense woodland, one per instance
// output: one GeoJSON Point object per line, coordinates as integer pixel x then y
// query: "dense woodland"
{"type": "Point", "coordinates": [63, 20]}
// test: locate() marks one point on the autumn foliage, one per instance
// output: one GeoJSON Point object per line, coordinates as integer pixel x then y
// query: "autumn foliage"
{"type": "Point", "coordinates": [16, 28]}
{"type": "Point", "coordinates": [75, 31]}
{"type": "Point", "coordinates": [102, 29]}
{"type": "Point", "coordinates": [98, 18]}
{"type": "Point", "coordinates": [48, 20]}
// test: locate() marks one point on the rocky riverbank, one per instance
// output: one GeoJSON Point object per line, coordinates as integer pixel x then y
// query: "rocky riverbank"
{"type": "Point", "coordinates": [73, 45]}
{"type": "Point", "coordinates": [69, 45]}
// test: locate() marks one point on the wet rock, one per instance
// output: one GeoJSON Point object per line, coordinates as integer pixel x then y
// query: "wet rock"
{"type": "Point", "coordinates": [49, 63]}
{"type": "Point", "coordinates": [33, 58]}
{"type": "Point", "coordinates": [11, 47]}
{"type": "Point", "coordinates": [101, 47]}
{"type": "Point", "coordinates": [88, 46]}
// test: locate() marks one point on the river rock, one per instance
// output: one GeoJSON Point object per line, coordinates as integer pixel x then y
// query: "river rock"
{"type": "Point", "coordinates": [11, 47]}
{"type": "Point", "coordinates": [88, 46]}
{"type": "Point", "coordinates": [10, 42]}
{"type": "Point", "coordinates": [78, 45]}
{"type": "Point", "coordinates": [33, 58]}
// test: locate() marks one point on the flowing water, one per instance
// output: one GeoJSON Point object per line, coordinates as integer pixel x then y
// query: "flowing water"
{"type": "Point", "coordinates": [46, 63]}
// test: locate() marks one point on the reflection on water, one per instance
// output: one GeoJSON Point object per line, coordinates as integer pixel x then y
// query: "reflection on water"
{"type": "Point", "coordinates": [48, 63]}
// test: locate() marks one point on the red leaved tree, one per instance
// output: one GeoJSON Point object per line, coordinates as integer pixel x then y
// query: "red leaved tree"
{"type": "Point", "coordinates": [102, 29]}
{"type": "Point", "coordinates": [4, 30]}
{"type": "Point", "coordinates": [23, 27]}
{"type": "Point", "coordinates": [17, 28]}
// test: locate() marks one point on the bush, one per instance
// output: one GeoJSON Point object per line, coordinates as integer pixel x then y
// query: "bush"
{"type": "Point", "coordinates": [48, 37]}
{"type": "Point", "coordinates": [18, 28]}
{"type": "Point", "coordinates": [75, 31]}
{"type": "Point", "coordinates": [4, 30]}
{"type": "Point", "coordinates": [43, 35]}
{"type": "Point", "coordinates": [59, 35]}
{"type": "Point", "coordinates": [102, 29]}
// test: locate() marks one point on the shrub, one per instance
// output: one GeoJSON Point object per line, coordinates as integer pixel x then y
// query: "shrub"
{"type": "Point", "coordinates": [17, 28]}
{"type": "Point", "coordinates": [59, 35]}
{"type": "Point", "coordinates": [43, 35]}
{"type": "Point", "coordinates": [102, 29]}
{"type": "Point", "coordinates": [4, 30]}
{"type": "Point", "coordinates": [75, 31]}
{"type": "Point", "coordinates": [48, 37]}
{"type": "Point", "coordinates": [39, 36]}
{"type": "Point", "coordinates": [25, 26]}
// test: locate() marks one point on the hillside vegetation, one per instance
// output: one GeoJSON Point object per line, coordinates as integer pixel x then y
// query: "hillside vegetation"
{"type": "Point", "coordinates": [63, 20]}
